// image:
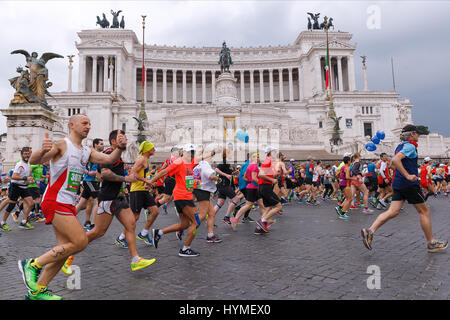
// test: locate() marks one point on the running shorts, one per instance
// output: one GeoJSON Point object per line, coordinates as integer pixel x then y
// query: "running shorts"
{"type": "Point", "coordinates": [226, 192]}
{"type": "Point", "coordinates": [169, 185]}
{"type": "Point", "coordinates": [269, 197]}
{"type": "Point", "coordinates": [90, 189]}
{"type": "Point", "coordinates": [16, 192]}
{"type": "Point", "coordinates": [412, 194]}
{"type": "Point", "coordinates": [141, 200]}
{"type": "Point", "coordinates": [252, 195]}
{"type": "Point", "coordinates": [289, 184]}
{"type": "Point", "coordinates": [35, 192]}
{"type": "Point", "coordinates": [308, 181]}
{"type": "Point", "coordinates": [180, 204]}
{"type": "Point", "coordinates": [202, 195]}
{"type": "Point", "coordinates": [49, 208]}
{"type": "Point", "coordinates": [112, 207]}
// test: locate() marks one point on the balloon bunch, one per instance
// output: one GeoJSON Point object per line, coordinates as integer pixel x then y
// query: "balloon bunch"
{"type": "Point", "coordinates": [371, 146]}
{"type": "Point", "coordinates": [243, 136]}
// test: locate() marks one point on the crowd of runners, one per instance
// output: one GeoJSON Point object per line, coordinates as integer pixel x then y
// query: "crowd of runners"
{"type": "Point", "coordinates": [53, 184]}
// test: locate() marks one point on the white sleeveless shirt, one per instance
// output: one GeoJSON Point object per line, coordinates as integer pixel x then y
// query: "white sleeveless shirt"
{"type": "Point", "coordinates": [66, 175]}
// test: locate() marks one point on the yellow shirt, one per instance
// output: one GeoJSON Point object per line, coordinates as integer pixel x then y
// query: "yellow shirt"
{"type": "Point", "coordinates": [145, 173]}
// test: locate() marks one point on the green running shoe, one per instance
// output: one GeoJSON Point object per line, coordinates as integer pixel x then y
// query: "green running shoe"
{"type": "Point", "coordinates": [26, 226]}
{"type": "Point", "coordinates": [30, 275]}
{"type": "Point", "coordinates": [42, 295]}
{"type": "Point", "coordinates": [5, 227]}
{"type": "Point", "coordinates": [142, 263]}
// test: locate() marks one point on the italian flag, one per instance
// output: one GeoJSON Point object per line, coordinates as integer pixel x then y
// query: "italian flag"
{"type": "Point", "coordinates": [327, 70]}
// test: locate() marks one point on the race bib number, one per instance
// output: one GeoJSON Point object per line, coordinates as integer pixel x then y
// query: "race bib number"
{"type": "Point", "coordinates": [73, 183]}
{"type": "Point", "coordinates": [190, 183]}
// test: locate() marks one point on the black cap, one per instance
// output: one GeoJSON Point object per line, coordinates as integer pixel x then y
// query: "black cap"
{"type": "Point", "coordinates": [409, 128]}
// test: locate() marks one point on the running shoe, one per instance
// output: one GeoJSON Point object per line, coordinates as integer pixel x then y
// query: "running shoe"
{"type": "Point", "coordinates": [262, 225]}
{"type": "Point", "coordinates": [188, 253]}
{"type": "Point", "coordinates": [226, 220]}
{"type": "Point", "coordinates": [26, 226]}
{"type": "Point", "coordinates": [155, 237]}
{"type": "Point", "coordinates": [283, 201]}
{"type": "Point", "coordinates": [383, 203]}
{"type": "Point", "coordinates": [367, 236]}
{"type": "Point", "coordinates": [280, 213]}
{"type": "Point", "coordinates": [379, 207]}
{"type": "Point", "coordinates": [30, 275]}
{"type": "Point", "coordinates": [141, 264]}
{"type": "Point", "coordinates": [341, 214]}
{"type": "Point", "coordinates": [234, 223]}
{"type": "Point", "coordinates": [87, 224]}
{"type": "Point", "coordinates": [259, 231]}
{"type": "Point", "coordinates": [121, 243]}
{"type": "Point", "coordinates": [437, 245]}
{"type": "Point", "coordinates": [213, 239]}
{"type": "Point", "coordinates": [334, 198]}
{"type": "Point", "coordinates": [354, 207]}
{"type": "Point", "coordinates": [32, 217]}
{"type": "Point", "coordinates": [367, 211]}
{"type": "Point", "coordinates": [179, 235]}
{"type": "Point", "coordinates": [40, 218]}
{"type": "Point", "coordinates": [90, 227]}
{"type": "Point", "coordinates": [146, 238]}
{"type": "Point", "coordinates": [5, 227]}
{"type": "Point", "coordinates": [43, 294]}
{"type": "Point", "coordinates": [66, 268]}
{"type": "Point", "coordinates": [15, 216]}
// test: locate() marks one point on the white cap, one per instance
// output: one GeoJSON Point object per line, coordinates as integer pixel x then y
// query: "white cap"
{"type": "Point", "coordinates": [347, 154]}
{"type": "Point", "coordinates": [442, 165]}
{"type": "Point", "coordinates": [292, 160]}
{"type": "Point", "coordinates": [270, 149]}
{"type": "Point", "coordinates": [189, 147]}
{"type": "Point", "coordinates": [427, 159]}
{"type": "Point", "coordinates": [238, 166]}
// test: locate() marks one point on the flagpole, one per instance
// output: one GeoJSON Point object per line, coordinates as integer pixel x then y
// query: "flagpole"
{"type": "Point", "coordinates": [142, 114]}
{"type": "Point", "coordinates": [331, 112]}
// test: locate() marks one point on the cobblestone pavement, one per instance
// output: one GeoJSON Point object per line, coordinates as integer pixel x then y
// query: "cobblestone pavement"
{"type": "Point", "coordinates": [310, 254]}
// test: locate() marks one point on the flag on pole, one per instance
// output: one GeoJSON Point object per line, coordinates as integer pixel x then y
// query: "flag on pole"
{"type": "Point", "coordinates": [327, 69]}
{"type": "Point", "coordinates": [143, 76]}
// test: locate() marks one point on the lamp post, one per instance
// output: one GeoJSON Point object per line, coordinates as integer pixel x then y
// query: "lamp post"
{"type": "Point", "coordinates": [331, 112]}
{"type": "Point", "coordinates": [143, 114]}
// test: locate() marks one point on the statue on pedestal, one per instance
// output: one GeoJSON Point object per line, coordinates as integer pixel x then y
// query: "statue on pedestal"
{"type": "Point", "coordinates": [115, 23]}
{"type": "Point", "coordinates": [31, 87]}
{"type": "Point", "coordinates": [225, 59]}
{"type": "Point", "coordinates": [315, 18]}
{"type": "Point", "coordinates": [336, 138]}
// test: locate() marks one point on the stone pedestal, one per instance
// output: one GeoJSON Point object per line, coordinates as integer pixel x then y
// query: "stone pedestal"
{"type": "Point", "coordinates": [226, 94]}
{"type": "Point", "coordinates": [26, 126]}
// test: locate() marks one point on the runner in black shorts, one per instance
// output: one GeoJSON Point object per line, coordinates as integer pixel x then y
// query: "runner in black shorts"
{"type": "Point", "coordinates": [224, 188]}
{"type": "Point", "coordinates": [406, 187]}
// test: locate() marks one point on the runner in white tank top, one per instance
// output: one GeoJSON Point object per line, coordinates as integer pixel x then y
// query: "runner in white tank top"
{"type": "Point", "coordinates": [67, 157]}
{"type": "Point", "coordinates": [66, 175]}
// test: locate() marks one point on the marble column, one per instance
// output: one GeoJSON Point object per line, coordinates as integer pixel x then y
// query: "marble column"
{"type": "Point", "coordinates": [82, 73]}
{"type": "Point", "coordinates": [203, 86]}
{"type": "Point", "coordinates": [280, 81]}
{"type": "Point", "coordinates": [111, 78]}
{"type": "Point", "coordinates": [194, 86]}
{"type": "Point", "coordinates": [94, 74]}
{"type": "Point", "coordinates": [164, 98]}
{"type": "Point", "coordinates": [184, 87]}
{"type": "Point", "coordinates": [319, 85]}
{"type": "Point", "coordinates": [174, 86]}
{"type": "Point", "coordinates": [291, 86]}
{"type": "Point", "coordinates": [271, 85]}
{"type": "Point", "coordinates": [242, 87]}
{"type": "Point", "coordinates": [340, 79]}
{"type": "Point", "coordinates": [119, 74]}
{"type": "Point", "coordinates": [300, 84]}
{"type": "Point", "coordinates": [252, 88]}
{"type": "Point", "coordinates": [105, 73]}
{"type": "Point", "coordinates": [333, 85]}
{"type": "Point", "coordinates": [261, 86]}
{"type": "Point", "coordinates": [69, 84]}
{"type": "Point", "coordinates": [351, 73]}
{"type": "Point", "coordinates": [213, 85]}
{"type": "Point", "coordinates": [154, 86]}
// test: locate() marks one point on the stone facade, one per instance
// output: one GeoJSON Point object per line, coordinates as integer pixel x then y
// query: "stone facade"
{"type": "Point", "coordinates": [275, 93]}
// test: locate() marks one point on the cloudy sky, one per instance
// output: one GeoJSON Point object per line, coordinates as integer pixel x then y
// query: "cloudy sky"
{"type": "Point", "coordinates": [415, 33]}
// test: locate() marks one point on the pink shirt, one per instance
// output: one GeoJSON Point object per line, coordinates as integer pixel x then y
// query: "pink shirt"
{"type": "Point", "coordinates": [252, 167]}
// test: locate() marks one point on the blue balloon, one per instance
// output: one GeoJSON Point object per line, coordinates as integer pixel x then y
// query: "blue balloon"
{"type": "Point", "coordinates": [375, 140]}
{"type": "Point", "coordinates": [381, 135]}
{"type": "Point", "coordinates": [371, 146]}
{"type": "Point", "coordinates": [243, 136]}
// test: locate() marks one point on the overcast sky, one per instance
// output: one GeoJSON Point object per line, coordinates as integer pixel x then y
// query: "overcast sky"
{"type": "Point", "coordinates": [415, 33]}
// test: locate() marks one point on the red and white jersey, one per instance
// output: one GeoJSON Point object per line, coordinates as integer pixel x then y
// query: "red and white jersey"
{"type": "Point", "coordinates": [22, 169]}
{"type": "Point", "coordinates": [66, 175]}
